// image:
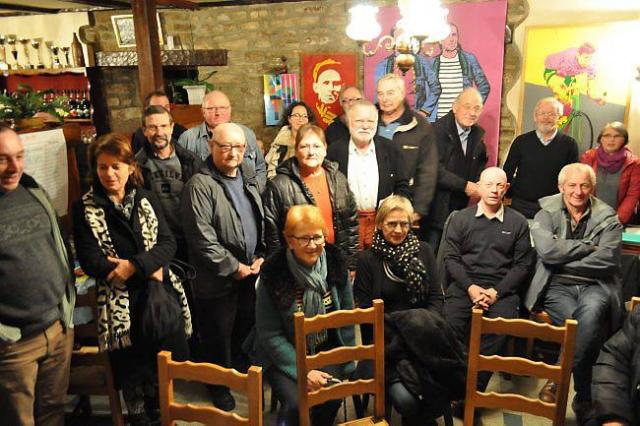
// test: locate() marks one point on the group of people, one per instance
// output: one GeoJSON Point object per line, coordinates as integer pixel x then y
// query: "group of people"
{"type": "Point", "coordinates": [329, 221]}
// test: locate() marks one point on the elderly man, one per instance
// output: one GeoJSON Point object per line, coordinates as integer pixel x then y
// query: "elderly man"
{"type": "Point", "coordinates": [338, 129]}
{"type": "Point", "coordinates": [577, 238]}
{"type": "Point", "coordinates": [155, 98]}
{"type": "Point", "coordinates": [373, 166]}
{"type": "Point", "coordinates": [462, 155]}
{"type": "Point", "coordinates": [36, 297]}
{"type": "Point", "coordinates": [166, 168]}
{"type": "Point", "coordinates": [216, 110]}
{"type": "Point", "coordinates": [487, 258]}
{"type": "Point", "coordinates": [223, 225]}
{"type": "Point", "coordinates": [413, 135]}
{"type": "Point", "coordinates": [535, 159]}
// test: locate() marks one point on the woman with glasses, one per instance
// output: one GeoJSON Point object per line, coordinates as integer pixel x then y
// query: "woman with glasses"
{"type": "Point", "coordinates": [307, 275]}
{"type": "Point", "coordinates": [308, 178]}
{"type": "Point", "coordinates": [283, 146]}
{"type": "Point", "coordinates": [617, 170]}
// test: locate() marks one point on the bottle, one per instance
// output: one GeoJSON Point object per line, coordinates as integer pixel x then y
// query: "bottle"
{"type": "Point", "coordinates": [76, 52]}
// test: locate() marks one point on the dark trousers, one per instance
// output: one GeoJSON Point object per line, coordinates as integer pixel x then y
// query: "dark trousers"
{"type": "Point", "coordinates": [457, 311]}
{"type": "Point", "coordinates": [589, 305]}
{"type": "Point", "coordinates": [224, 324]}
{"type": "Point", "coordinates": [432, 237]}
{"type": "Point", "coordinates": [286, 391]}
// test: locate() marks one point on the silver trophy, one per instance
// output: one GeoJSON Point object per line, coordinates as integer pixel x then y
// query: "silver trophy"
{"type": "Point", "coordinates": [36, 62]}
{"type": "Point", "coordinates": [25, 52]}
{"type": "Point", "coordinates": [3, 54]}
{"type": "Point", "coordinates": [55, 50]}
{"type": "Point", "coordinates": [11, 41]}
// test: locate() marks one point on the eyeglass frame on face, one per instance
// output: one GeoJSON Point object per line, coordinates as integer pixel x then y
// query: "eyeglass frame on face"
{"type": "Point", "coordinates": [392, 225]}
{"type": "Point", "coordinates": [548, 114]}
{"type": "Point", "coordinates": [297, 115]}
{"type": "Point", "coordinates": [305, 241]}
{"type": "Point", "coordinates": [228, 148]}
{"type": "Point", "coordinates": [216, 108]}
{"type": "Point", "coordinates": [310, 148]}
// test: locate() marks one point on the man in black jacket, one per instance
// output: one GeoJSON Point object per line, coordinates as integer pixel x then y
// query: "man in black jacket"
{"type": "Point", "coordinates": [157, 98]}
{"type": "Point", "coordinates": [372, 166]}
{"type": "Point", "coordinates": [462, 156]}
{"type": "Point", "coordinates": [166, 168]}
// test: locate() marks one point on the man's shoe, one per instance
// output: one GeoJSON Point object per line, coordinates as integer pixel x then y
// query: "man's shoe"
{"type": "Point", "coordinates": [222, 398]}
{"type": "Point", "coordinates": [583, 410]}
{"type": "Point", "coordinates": [548, 392]}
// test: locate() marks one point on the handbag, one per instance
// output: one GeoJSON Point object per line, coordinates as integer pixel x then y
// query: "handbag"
{"type": "Point", "coordinates": [161, 314]}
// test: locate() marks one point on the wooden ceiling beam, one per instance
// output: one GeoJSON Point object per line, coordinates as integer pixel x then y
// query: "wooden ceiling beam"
{"type": "Point", "coordinates": [115, 4]}
{"type": "Point", "coordinates": [243, 2]}
{"type": "Point", "coordinates": [182, 4]}
{"type": "Point", "coordinates": [147, 46]}
{"type": "Point", "coordinates": [31, 9]}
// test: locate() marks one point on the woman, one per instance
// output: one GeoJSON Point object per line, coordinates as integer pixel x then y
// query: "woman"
{"type": "Point", "coordinates": [617, 170]}
{"type": "Point", "coordinates": [402, 271]}
{"type": "Point", "coordinates": [123, 240]}
{"type": "Point", "coordinates": [308, 276]}
{"type": "Point", "coordinates": [308, 178]}
{"type": "Point", "coordinates": [283, 146]}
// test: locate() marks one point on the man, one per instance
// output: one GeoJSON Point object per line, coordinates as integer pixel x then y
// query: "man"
{"type": "Point", "coordinates": [413, 135]}
{"type": "Point", "coordinates": [535, 159]}
{"type": "Point", "coordinates": [327, 83]}
{"type": "Point", "coordinates": [373, 166]}
{"type": "Point", "coordinates": [338, 129]}
{"type": "Point", "coordinates": [155, 98]}
{"type": "Point", "coordinates": [166, 168]}
{"type": "Point", "coordinates": [577, 238]}
{"type": "Point", "coordinates": [37, 295]}
{"type": "Point", "coordinates": [487, 259]}
{"type": "Point", "coordinates": [216, 110]}
{"type": "Point", "coordinates": [454, 70]}
{"type": "Point", "coordinates": [223, 225]}
{"type": "Point", "coordinates": [463, 155]}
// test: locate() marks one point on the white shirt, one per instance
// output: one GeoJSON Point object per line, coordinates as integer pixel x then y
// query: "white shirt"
{"type": "Point", "coordinates": [464, 137]}
{"type": "Point", "coordinates": [499, 214]}
{"type": "Point", "coordinates": [548, 141]}
{"type": "Point", "coordinates": [362, 175]}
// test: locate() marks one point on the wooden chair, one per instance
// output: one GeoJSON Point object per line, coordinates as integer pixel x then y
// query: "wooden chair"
{"type": "Point", "coordinates": [560, 374]}
{"type": "Point", "coordinates": [540, 317]}
{"type": "Point", "coordinates": [91, 372]}
{"type": "Point", "coordinates": [250, 384]}
{"type": "Point", "coordinates": [635, 301]}
{"type": "Point", "coordinates": [374, 352]}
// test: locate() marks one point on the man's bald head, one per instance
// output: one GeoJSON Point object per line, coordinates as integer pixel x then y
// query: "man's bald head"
{"type": "Point", "coordinates": [493, 173]}
{"type": "Point", "coordinates": [216, 108]}
{"type": "Point", "coordinates": [225, 131]}
{"type": "Point", "coordinates": [492, 186]}
{"type": "Point", "coordinates": [11, 159]}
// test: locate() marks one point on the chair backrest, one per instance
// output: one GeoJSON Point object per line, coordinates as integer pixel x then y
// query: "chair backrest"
{"type": "Point", "coordinates": [250, 384]}
{"type": "Point", "coordinates": [374, 352]}
{"type": "Point", "coordinates": [560, 374]}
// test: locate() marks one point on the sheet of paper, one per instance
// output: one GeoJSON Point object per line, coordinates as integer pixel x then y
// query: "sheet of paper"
{"type": "Point", "coordinates": [45, 159]}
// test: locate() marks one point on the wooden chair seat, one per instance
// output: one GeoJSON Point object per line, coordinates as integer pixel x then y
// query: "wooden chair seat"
{"type": "Point", "coordinates": [367, 421]}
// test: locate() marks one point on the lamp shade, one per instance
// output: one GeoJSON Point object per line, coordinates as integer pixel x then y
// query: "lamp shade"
{"type": "Point", "coordinates": [363, 25]}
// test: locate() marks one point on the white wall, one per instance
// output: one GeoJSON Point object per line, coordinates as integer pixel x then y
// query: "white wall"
{"type": "Point", "coordinates": [555, 12]}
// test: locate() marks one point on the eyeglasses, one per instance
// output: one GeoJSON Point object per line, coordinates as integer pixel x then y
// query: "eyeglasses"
{"type": "Point", "coordinates": [348, 101]}
{"type": "Point", "coordinates": [296, 115]}
{"type": "Point", "coordinates": [310, 148]}
{"type": "Point", "coordinates": [216, 108]}
{"type": "Point", "coordinates": [306, 240]}
{"type": "Point", "coordinates": [392, 225]}
{"type": "Point", "coordinates": [229, 148]}
{"type": "Point", "coordinates": [548, 114]}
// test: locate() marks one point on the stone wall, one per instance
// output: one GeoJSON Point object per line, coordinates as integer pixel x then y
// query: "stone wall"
{"type": "Point", "coordinates": [254, 36]}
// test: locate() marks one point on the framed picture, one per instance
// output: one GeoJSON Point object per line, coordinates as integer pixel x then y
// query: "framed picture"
{"type": "Point", "coordinates": [323, 76]}
{"type": "Point", "coordinates": [585, 67]}
{"type": "Point", "coordinates": [280, 91]}
{"type": "Point", "coordinates": [125, 32]}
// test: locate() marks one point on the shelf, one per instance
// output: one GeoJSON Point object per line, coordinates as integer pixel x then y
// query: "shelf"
{"type": "Point", "coordinates": [45, 71]}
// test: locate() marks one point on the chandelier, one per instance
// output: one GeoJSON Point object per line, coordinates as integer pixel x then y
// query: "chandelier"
{"type": "Point", "coordinates": [422, 21]}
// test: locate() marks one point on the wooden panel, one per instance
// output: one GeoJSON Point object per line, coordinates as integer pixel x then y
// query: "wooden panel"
{"type": "Point", "coordinates": [187, 115]}
{"type": "Point", "coordinates": [338, 319]}
{"type": "Point", "coordinates": [522, 328]}
{"type": "Point", "coordinates": [340, 355]}
{"type": "Point", "coordinates": [208, 373]}
{"type": "Point", "coordinates": [206, 415]}
{"type": "Point", "coordinates": [515, 402]}
{"type": "Point", "coordinates": [341, 390]}
{"type": "Point", "coordinates": [519, 367]}
{"type": "Point", "coordinates": [147, 46]}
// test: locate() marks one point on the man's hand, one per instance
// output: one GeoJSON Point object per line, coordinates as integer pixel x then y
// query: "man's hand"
{"type": "Point", "coordinates": [352, 275]}
{"type": "Point", "coordinates": [243, 272]}
{"type": "Point", "coordinates": [492, 295]}
{"type": "Point", "coordinates": [256, 265]}
{"type": "Point", "coordinates": [317, 379]}
{"type": "Point", "coordinates": [122, 272]}
{"type": "Point", "coordinates": [478, 297]}
{"type": "Point", "coordinates": [472, 190]}
{"type": "Point", "coordinates": [157, 275]}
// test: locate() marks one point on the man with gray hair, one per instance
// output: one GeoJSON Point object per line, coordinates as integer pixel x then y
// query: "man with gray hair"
{"type": "Point", "coordinates": [338, 129]}
{"type": "Point", "coordinates": [535, 159]}
{"type": "Point", "coordinates": [577, 238]}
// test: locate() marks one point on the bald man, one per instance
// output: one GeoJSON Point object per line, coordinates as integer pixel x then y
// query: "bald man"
{"type": "Point", "coordinates": [223, 225]}
{"type": "Point", "coordinates": [216, 110]}
{"type": "Point", "coordinates": [487, 257]}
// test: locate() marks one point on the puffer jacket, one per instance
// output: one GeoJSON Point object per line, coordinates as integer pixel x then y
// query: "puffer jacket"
{"type": "Point", "coordinates": [281, 149]}
{"type": "Point", "coordinates": [287, 189]}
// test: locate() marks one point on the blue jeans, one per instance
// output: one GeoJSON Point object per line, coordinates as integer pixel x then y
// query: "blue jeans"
{"type": "Point", "coordinates": [589, 305]}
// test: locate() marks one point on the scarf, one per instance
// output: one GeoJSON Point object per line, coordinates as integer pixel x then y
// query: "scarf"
{"type": "Point", "coordinates": [401, 263]}
{"type": "Point", "coordinates": [314, 282]}
{"type": "Point", "coordinates": [114, 317]}
{"type": "Point", "coordinates": [611, 162]}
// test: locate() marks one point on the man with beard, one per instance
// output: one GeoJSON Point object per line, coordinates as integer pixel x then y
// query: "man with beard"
{"type": "Point", "coordinates": [166, 167]}
{"type": "Point", "coordinates": [535, 159]}
{"type": "Point", "coordinates": [159, 98]}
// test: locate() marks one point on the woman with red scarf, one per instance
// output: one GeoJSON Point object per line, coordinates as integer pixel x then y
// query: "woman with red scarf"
{"type": "Point", "coordinates": [617, 170]}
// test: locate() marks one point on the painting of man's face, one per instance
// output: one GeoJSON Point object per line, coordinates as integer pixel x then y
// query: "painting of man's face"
{"type": "Point", "coordinates": [328, 86]}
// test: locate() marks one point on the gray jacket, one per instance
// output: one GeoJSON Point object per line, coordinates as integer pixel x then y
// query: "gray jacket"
{"type": "Point", "coordinates": [597, 255]}
{"type": "Point", "coordinates": [213, 229]}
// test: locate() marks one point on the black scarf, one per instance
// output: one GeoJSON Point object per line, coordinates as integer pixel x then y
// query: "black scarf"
{"type": "Point", "coordinates": [401, 263]}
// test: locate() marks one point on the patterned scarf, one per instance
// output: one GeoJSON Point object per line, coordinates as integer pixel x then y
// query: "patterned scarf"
{"type": "Point", "coordinates": [401, 263]}
{"type": "Point", "coordinates": [612, 162]}
{"type": "Point", "coordinates": [114, 317]}
{"type": "Point", "coordinates": [314, 281]}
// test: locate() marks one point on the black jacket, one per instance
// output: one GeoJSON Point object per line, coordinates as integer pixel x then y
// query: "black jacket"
{"type": "Point", "coordinates": [451, 184]}
{"type": "Point", "coordinates": [336, 131]}
{"type": "Point", "coordinates": [391, 175]}
{"type": "Point", "coordinates": [189, 162]}
{"type": "Point", "coordinates": [615, 386]}
{"type": "Point", "coordinates": [287, 189]}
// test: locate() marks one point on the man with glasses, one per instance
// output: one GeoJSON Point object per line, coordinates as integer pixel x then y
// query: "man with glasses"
{"type": "Point", "coordinates": [338, 129]}
{"type": "Point", "coordinates": [223, 224]}
{"type": "Point", "coordinates": [535, 159]}
{"type": "Point", "coordinates": [487, 258]}
{"type": "Point", "coordinates": [216, 110]}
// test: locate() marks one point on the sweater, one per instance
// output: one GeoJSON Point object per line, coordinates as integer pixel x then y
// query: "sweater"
{"type": "Point", "coordinates": [532, 168]}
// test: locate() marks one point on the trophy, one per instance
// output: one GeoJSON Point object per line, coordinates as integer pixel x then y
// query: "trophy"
{"type": "Point", "coordinates": [3, 55]}
{"type": "Point", "coordinates": [65, 50]}
{"type": "Point", "coordinates": [11, 41]}
{"type": "Point", "coordinates": [36, 63]}
{"type": "Point", "coordinates": [56, 61]}
{"type": "Point", "coordinates": [25, 52]}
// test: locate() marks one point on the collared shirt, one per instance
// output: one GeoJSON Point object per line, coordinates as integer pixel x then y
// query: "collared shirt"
{"type": "Point", "coordinates": [499, 214]}
{"type": "Point", "coordinates": [464, 137]}
{"type": "Point", "coordinates": [576, 230]}
{"type": "Point", "coordinates": [387, 131]}
{"type": "Point", "coordinates": [547, 141]}
{"type": "Point", "coordinates": [362, 175]}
